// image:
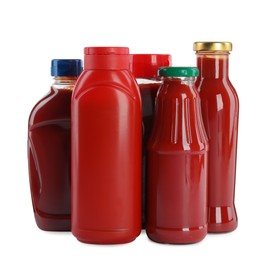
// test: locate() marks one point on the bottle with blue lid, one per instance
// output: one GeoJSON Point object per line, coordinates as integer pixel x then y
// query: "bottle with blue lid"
{"type": "Point", "coordinates": [49, 149]}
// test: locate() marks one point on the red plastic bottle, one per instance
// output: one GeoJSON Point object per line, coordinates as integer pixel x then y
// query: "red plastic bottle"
{"type": "Point", "coordinates": [145, 67]}
{"type": "Point", "coordinates": [106, 149]}
{"type": "Point", "coordinates": [49, 134]}
{"type": "Point", "coordinates": [220, 108]}
{"type": "Point", "coordinates": [177, 162]}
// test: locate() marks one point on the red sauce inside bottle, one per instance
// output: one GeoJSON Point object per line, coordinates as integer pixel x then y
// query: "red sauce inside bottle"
{"type": "Point", "coordinates": [220, 106]}
{"type": "Point", "coordinates": [49, 159]}
{"type": "Point", "coordinates": [177, 165]}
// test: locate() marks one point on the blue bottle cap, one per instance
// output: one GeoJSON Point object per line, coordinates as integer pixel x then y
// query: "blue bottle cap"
{"type": "Point", "coordinates": [66, 67]}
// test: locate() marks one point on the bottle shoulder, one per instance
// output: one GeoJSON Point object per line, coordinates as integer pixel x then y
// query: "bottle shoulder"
{"type": "Point", "coordinates": [179, 91]}
{"type": "Point", "coordinates": [54, 105]}
{"type": "Point", "coordinates": [178, 125]}
{"type": "Point", "coordinates": [210, 89]}
{"type": "Point", "coordinates": [101, 81]}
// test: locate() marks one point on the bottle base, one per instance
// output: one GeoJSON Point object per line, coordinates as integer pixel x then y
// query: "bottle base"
{"type": "Point", "coordinates": [105, 237]}
{"type": "Point", "coordinates": [222, 219]}
{"type": "Point", "coordinates": [177, 236]}
{"type": "Point", "coordinates": [53, 222]}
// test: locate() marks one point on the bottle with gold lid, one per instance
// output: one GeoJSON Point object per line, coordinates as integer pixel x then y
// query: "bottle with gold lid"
{"type": "Point", "coordinates": [220, 109]}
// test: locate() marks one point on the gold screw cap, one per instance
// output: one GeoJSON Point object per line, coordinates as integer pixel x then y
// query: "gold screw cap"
{"type": "Point", "coordinates": [212, 46]}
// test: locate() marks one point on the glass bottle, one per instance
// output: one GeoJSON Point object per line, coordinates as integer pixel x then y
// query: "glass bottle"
{"type": "Point", "coordinates": [220, 108]}
{"type": "Point", "coordinates": [177, 162]}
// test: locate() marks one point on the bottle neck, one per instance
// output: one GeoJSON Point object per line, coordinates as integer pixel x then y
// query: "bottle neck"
{"type": "Point", "coordinates": [64, 82]}
{"type": "Point", "coordinates": [188, 81]}
{"type": "Point", "coordinates": [148, 80]}
{"type": "Point", "coordinates": [213, 64]}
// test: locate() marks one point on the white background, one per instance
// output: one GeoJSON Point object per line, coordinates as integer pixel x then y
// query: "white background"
{"type": "Point", "coordinates": [34, 32]}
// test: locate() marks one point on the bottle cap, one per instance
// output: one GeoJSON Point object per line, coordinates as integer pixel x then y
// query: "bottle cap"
{"type": "Point", "coordinates": [112, 58]}
{"type": "Point", "coordinates": [178, 72]}
{"type": "Point", "coordinates": [147, 65]}
{"type": "Point", "coordinates": [66, 67]}
{"type": "Point", "coordinates": [212, 46]}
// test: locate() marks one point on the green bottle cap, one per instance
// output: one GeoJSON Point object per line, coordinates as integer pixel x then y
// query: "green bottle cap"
{"type": "Point", "coordinates": [178, 72]}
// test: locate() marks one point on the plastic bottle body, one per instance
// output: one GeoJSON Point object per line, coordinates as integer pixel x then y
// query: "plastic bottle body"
{"type": "Point", "coordinates": [177, 166]}
{"type": "Point", "coordinates": [220, 109]}
{"type": "Point", "coordinates": [144, 67]}
{"type": "Point", "coordinates": [49, 157]}
{"type": "Point", "coordinates": [148, 90]}
{"type": "Point", "coordinates": [106, 157]}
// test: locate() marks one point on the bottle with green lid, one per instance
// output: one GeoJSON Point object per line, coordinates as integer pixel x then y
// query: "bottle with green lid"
{"type": "Point", "coordinates": [177, 161]}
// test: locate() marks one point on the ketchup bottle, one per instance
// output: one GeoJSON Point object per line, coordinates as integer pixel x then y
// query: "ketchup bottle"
{"type": "Point", "coordinates": [49, 134]}
{"type": "Point", "coordinates": [220, 106]}
{"type": "Point", "coordinates": [106, 149]}
{"type": "Point", "coordinates": [144, 67]}
{"type": "Point", "coordinates": [177, 162]}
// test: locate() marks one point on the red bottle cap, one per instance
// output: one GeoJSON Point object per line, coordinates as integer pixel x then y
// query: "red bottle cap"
{"type": "Point", "coordinates": [112, 58]}
{"type": "Point", "coordinates": [147, 65]}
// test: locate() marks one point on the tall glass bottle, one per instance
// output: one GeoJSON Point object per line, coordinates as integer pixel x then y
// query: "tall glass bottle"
{"type": "Point", "coordinates": [177, 162]}
{"type": "Point", "coordinates": [106, 149]}
{"type": "Point", "coordinates": [49, 135]}
{"type": "Point", "coordinates": [220, 108]}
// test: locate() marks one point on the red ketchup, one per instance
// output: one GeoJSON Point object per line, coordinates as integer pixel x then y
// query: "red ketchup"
{"type": "Point", "coordinates": [106, 149]}
{"type": "Point", "coordinates": [177, 162]}
{"type": "Point", "coordinates": [144, 67]}
{"type": "Point", "coordinates": [220, 106]}
{"type": "Point", "coordinates": [49, 144]}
